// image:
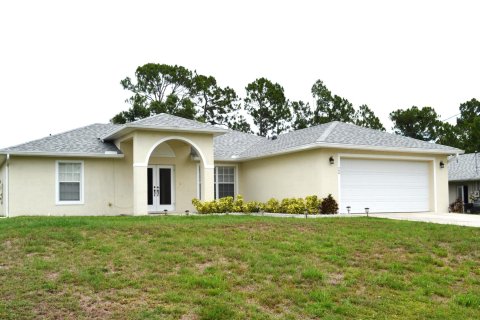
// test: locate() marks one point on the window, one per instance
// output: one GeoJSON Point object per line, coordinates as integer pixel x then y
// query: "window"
{"type": "Point", "coordinates": [69, 182]}
{"type": "Point", "coordinates": [199, 182]}
{"type": "Point", "coordinates": [224, 178]}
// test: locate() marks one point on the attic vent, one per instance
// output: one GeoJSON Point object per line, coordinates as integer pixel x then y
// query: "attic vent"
{"type": "Point", "coordinates": [110, 152]}
{"type": "Point", "coordinates": [274, 137]}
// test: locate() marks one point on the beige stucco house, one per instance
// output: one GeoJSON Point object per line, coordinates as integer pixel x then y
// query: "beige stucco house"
{"type": "Point", "coordinates": [162, 162]}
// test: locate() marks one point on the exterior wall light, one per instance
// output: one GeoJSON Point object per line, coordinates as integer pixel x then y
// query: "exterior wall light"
{"type": "Point", "coordinates": [442, 165]}
{"type": "Point", "coordinates": [331, 160]}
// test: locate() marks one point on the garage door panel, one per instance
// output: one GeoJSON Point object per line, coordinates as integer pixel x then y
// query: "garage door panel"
{"type": "Point", "coordinates": [384, 185]}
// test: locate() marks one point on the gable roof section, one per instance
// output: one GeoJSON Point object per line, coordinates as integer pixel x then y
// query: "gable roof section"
{"type": "Point", "coordinates": [341, 135]}
{"type": "Point", "coordinates": [465, 167]}
{"type": "Point", "coordinates": [164, 122]}
{"type": "Point", "coordinates": [84, 141]}
{"type": "Point", "coordinates": [350, 134]}
{"type": "Point", "coordinates": [230, 145]}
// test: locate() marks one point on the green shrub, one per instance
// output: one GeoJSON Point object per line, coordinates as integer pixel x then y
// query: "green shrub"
{"type": "Point", "coordinates": [312, 204]}
{"type": "Point", "coordinates": [238, 204]}
{"type": "Point", "coordinates": [272, 205]}
{"type": "Point", "coordinates": [329, 205]}
{"type": "Point", "coordinates": [224, 205]}
{"type": "Point", "coordinates": [295, 206]}
{"type": "Point", "coordinates": [202, 207]}
{"type": "Point", "coordinates": [252, 206]}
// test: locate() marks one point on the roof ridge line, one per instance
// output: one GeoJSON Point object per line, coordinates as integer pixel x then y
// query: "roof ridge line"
{"type": "Point", "coordinates": [327, 132]}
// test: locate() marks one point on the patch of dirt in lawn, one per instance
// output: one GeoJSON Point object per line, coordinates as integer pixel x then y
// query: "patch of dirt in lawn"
{"type": "Point", "coordinates": [335, 278]}
{"type": "Point", "coordinates": [204, 265]}
{"type": "Point", "coordinates": [52, 275]}
{"type": "Point", "coordinates": [189, 316]}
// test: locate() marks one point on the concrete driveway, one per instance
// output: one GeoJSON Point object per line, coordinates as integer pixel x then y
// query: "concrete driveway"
{"type": "Point", "coordinates": [461, 219]}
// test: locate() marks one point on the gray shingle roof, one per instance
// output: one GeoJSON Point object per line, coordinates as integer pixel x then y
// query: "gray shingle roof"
{"type": "Point", "coordinates": [84, 140]}
{"type": "Point", "coordinates": [166, 122]}
{"type": "Point", "coordinates": [464, 167]}
{"type": "Point", "coordinates": [345, 133]}
{"type": "Point", "coordinates": [231, 145]}
{"type": "Point", "coordinates": [341, 135]}
{"type": "Point", "coordinates": [285, 142]}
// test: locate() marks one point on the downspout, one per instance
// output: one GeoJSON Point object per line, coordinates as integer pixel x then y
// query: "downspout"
{"type": "Point", "coordinates": [7, 186]}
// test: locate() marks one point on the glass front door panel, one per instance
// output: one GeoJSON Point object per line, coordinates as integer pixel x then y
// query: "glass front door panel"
{"type": "Point", "coordinates": [150, 186]}
{"type": "Point", "coordinates": [165, 175]}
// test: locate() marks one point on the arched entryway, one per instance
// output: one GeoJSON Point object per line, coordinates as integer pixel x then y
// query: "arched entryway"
{"type": "Point", "coordinates": [173, 176]}
{"type": "Point", "coordinates": [174, 169]}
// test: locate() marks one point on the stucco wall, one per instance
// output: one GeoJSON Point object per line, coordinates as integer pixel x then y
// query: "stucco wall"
{"type": "Point", "coordinates": [291, 175]}
{"type": "Point", "coordinates": [310, 173]}
{"type": "Point", "coordinates": [107, 187]}
{"type": "Point", "coordinates": [3, 186]}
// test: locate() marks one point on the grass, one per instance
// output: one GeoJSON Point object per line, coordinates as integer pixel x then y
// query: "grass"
{"type": "Point", "coordinates": [237, 267]}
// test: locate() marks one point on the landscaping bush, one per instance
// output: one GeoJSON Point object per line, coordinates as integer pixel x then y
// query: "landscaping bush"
{"type": "Point", "coordinates": [238, 204]}
{"type": "Point", "coordinates": [272, 205]}
{"type": "Point", "coordinates": [252, 206]}
{"type": "Point", "coordinates": [329, 205]}
{"type": "Point", "coordinates": [312, 204]}
{"type": "Point", "coordinates": [225, 205]}
{"type": "Point", "coordinates": [295, 206]}
{"type": "Point", "coordinates": [202, 207]}
{"type": "Point", "coordinates": [456, 206]}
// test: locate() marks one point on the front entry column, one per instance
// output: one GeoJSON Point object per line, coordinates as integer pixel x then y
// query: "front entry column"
{"type": "Point", "coordinates": [140, 190]}
{"type": "Point", "coordinates": [208, 184]}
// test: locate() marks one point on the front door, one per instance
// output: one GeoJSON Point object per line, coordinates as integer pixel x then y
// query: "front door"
{"type": "Point", "coordinates": [161, 193]}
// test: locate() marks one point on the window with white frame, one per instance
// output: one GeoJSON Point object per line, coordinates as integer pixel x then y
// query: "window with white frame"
{"type": "Point", "coordinates": [199, 182]}
{"type": "Point", "coordinates": [69, 182]}
{"type": "Point", "coordinates": [224, 179]}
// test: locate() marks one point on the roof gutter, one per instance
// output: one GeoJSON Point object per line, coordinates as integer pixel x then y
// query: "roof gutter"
{"type": "Point", "coordinates": [65, 154]}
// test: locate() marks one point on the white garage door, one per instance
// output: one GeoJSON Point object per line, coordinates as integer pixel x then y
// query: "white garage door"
{"type": "Point", "coordinates": [384, 185]}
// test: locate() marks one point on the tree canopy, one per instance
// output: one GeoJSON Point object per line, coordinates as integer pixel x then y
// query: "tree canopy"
{"type": "Point", "coordinates": [266, 111]}
{"type": "Point", "coordinates": [416, 123]}
{"type": "Point", "coordinates": [266, 103]}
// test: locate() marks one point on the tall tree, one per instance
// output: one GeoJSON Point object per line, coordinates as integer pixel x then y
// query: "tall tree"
{"type": "Point", "coordinates": [302, 115]}
{"type": "Point", "coordinates": [266, 103]}
{"type": "Point", "coordinates": [365, 117]}
{"type": "Point", "coordinates": [158, 88]}
{"type": "Point", "coordinates": [416, 123]}
{"type": "Point", "coordinates": [216, 105]}
{"type": "Point", "coordinates": [449, 135]}
{"type": "Point", "coordinates": [331, 107]}
{"type": "Point", "coordinates": [468, 125]}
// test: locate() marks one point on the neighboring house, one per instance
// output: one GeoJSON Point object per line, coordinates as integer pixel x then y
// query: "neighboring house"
{"type": "Point", "coordinates": [162, 162]}
{"type": "Point", "coordinates": [464, 177]}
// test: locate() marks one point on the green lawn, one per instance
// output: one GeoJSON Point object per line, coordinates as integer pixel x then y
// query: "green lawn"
{"type": "Point", "coordinates": [224, 267]}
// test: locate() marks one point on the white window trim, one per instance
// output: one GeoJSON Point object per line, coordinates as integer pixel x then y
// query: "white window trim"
{"type": "Point", "coordinates": [57, 189]}
{"type": "Point", "coordinates": [235, 177]}
{"type": "Point", "coordinates": [199, 182]}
